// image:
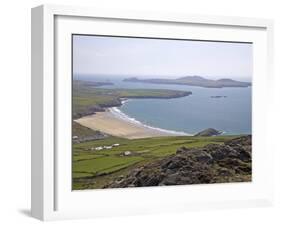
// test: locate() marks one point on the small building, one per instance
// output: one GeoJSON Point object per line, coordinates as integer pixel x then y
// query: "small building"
{"type": "Point", "coordinates": [75, 137]}
{"type": "Point", "coordinates": [98, 148]}
{"type": "Point", "coordinates": [127, 153]}
{"type": "Point", "coordinates": [115, 145]}
{"type": "Point", "coordinates": [107, 147]}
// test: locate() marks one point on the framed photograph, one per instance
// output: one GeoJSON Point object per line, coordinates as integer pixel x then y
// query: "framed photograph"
{"type": "Point", "coordinates": [137, 112]}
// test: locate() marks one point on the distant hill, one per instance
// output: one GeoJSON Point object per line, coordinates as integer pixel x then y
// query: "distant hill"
{"type": "Point", "coordinates": [193, 81]}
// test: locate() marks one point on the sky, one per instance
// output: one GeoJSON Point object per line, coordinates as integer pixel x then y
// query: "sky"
{"type": "Point", "coordinates": [160, 58]}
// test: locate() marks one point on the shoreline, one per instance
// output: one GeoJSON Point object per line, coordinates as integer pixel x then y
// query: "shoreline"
{"type": "Point", "coordinates": [116, 123]}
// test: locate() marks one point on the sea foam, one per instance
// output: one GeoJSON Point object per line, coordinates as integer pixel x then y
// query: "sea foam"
{"type": "Point", "coordinates": [119, 114]}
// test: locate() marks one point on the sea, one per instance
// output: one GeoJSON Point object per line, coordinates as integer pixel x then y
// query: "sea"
{"type": "Point", "coordinates": [231, 113]}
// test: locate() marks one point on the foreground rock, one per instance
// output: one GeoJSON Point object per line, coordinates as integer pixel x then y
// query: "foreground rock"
{"type": "Point", "coordinates": [208, 133]}
{"type": "Point", "coordinates": [214, 163]}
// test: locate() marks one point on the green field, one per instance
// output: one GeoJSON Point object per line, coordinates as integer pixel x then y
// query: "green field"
{"type": "Point", "coordinates": [94, 169]}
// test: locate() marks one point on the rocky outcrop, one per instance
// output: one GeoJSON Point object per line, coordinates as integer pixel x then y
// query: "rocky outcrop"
{"type": "Point", "coordinates": [214, 163]}
{"type": "Point", "coordinates": [208, 133]}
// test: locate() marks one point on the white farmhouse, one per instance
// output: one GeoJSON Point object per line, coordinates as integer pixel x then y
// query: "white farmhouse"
{"type": "Point", "coordinates": [126, 153]}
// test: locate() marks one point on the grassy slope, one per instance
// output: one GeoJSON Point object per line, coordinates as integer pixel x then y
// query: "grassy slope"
{"type": "Point", "coordinates": [82, 131]}
{"type": "Point", "coordinates": [92, 169]}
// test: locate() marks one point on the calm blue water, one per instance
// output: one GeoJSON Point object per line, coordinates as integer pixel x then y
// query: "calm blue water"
{"type": "Point", "coordinates": [193, 113]}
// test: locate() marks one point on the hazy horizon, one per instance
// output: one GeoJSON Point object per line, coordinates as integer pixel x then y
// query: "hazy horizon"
{"type": "Point", "coordinates": [110, 76]}
{"type": "Point", "coordinates": [160, 58]}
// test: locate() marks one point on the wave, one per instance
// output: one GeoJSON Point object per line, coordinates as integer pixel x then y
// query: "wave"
{"type": "Point", "coordinates": [119, 114]}
{"type": "Point", "coordinates": [124, 100]}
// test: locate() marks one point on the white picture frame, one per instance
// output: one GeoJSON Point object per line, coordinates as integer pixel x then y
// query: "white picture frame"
{"type": "Point", "coordinates": [51, 198]}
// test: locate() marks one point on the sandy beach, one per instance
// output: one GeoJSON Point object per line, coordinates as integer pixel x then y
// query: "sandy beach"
{"type": "Point", "coordinates": [110, 123]}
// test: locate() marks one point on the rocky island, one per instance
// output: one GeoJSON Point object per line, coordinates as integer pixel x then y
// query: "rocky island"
{"type": "Point", "coordinates": [208, 133]}
{"type": "Point", "coordinates": [218, 96]}
{"type": "Point", "coordinates": [193, 81]}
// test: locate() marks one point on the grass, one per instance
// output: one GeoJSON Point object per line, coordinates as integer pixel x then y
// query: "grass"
{"type": "Point", "coordinates": [82, 131]}
{"type": "Point", "coordinates": [93, 169]}
{"type": "Point", "coordinates": [100, 166]}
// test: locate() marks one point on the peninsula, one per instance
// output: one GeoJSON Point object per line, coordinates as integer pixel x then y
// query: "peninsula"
{"type": "Point", "coordinates": [89, 97]}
